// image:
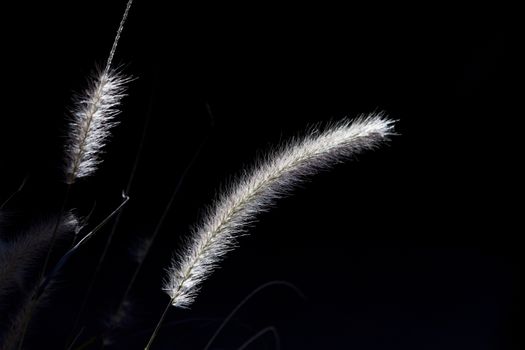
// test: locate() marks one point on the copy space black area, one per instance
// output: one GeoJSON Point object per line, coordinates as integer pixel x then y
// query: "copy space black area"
{"type": "Point", "coordinates": [411, 246]}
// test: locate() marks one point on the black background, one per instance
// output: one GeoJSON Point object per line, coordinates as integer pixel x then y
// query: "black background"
{"type": "Point", "coordinates": [409, 247]}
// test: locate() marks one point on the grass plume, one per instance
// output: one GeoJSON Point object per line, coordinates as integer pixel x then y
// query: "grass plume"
{"type": "Point", "coordinates": [92, 119]}
{"type": "Point", "coordinates": [24, 252]}
{"type": "Point", "coordinates": [255, 191]}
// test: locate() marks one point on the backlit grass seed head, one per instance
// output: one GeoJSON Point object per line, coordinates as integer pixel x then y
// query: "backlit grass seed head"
{"type": "Point", "coordinates": [91, 121]}
{"type": "Point", "coordinates": [256, 190]}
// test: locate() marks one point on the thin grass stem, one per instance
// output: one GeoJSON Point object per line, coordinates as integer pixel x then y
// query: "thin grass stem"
{"type": "Point", "coordinates": [269, 329]}
{"type": "Point", "coordinates": [245, 300]}
{"type": "Point", "coordinates": [34, 298]}
{"type": "Point", "coordinates": [18, 190]}
{"type": "Point", "coordinates": [116, 223]}
{"type": "Point", "coordinates": [157, 327]}
{"type": "Point", "coordinates": [160, 223]}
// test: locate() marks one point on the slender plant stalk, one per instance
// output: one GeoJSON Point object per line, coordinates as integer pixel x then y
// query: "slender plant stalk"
{"type": "Point", "coordinates": [33, 301]}
{"type": "Point", "coordinates": [31, 309]}
{"type": "Point", "coordinates": [18, 327]}
{"type": "Point", "coordinates": [53, 236]}
{"type": "Point", "coordinates": [83, 241]}
{"type": "Point", "coordinates": [164, 215]}
{"type": "Point", "coordinates": [18, 190]}
{"type": "Point", "coordinates": [155, 233]}
{"type": "Point", "coordinates": [88, 236]}
{"type": "Point", "coordinates": [159, 324]}
{"type": "Point", "coordinates": [245, 300]}
{"type": "Point", "coordinates": [160, 223]}
{"type": "Point", "coordinates": [149, 243]}
{"type": "Point", "coordinates": [76, 338]}
{"type": "Point", "coordinates": [117, 36]}
{"type": "Point", "coordinates": [259, 334]}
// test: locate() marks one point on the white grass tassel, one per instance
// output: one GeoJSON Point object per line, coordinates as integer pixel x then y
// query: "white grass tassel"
{"type": "Point", "coordinates": [91, 122]}
{"type": "Point", "coordinates": [257, 189]}
{"type": "Point", "coordinates": [94, 114]}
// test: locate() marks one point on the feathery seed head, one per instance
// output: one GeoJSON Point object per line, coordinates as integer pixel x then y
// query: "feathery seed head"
{"type": "Point", "coordinates": [92, 118]}
{"type": "Point", "coordinates": [256, 190]}
{"type": "Point", "coordinates": [20, 255]}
